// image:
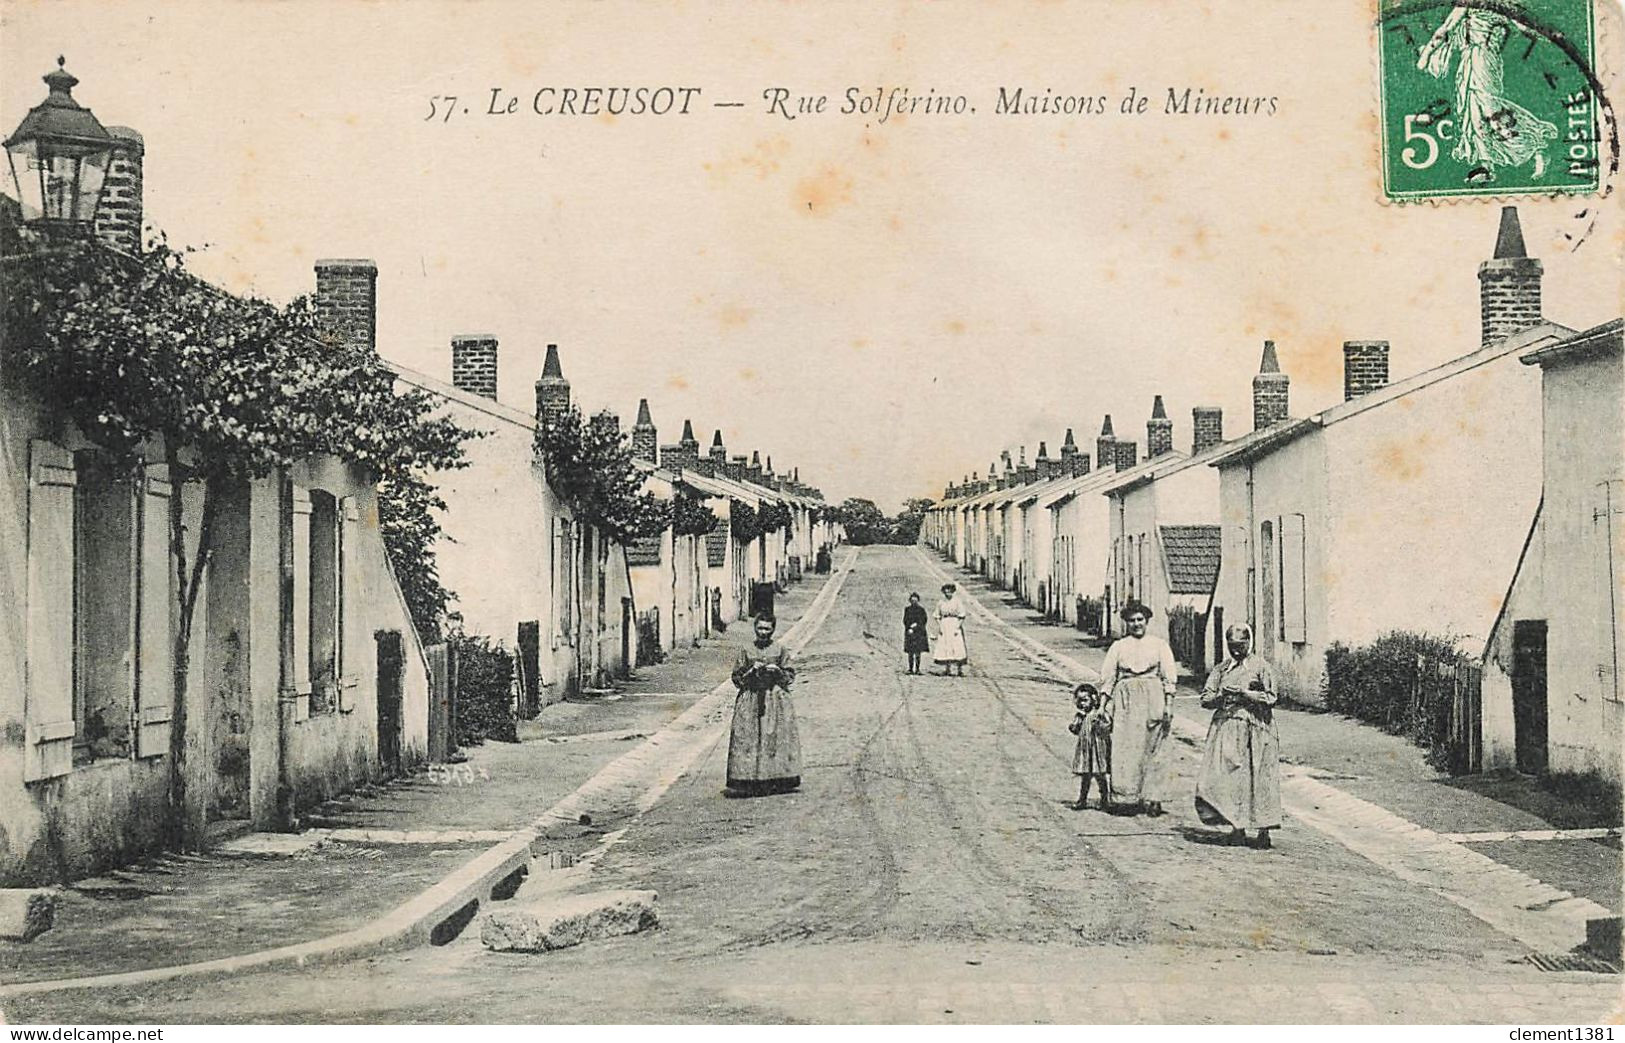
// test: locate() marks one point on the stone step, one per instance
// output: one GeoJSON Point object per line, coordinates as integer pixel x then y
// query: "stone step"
{"type": "Point", "coordinates": [560, 921]}
{"type": "Point", "coordinates": [26, 913]}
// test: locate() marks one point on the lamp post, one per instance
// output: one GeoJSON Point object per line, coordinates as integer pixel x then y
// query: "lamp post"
{"type": "Point", "coordinates": [59, 156]}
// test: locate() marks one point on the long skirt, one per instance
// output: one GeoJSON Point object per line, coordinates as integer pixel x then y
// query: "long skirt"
{"type": "Point", "coordinates": [764, 750]}
{"type": "Point", "coordinates": [1139, 741]}
{"type": "Point", "coordinates": [951, 645]}
{"type": "Point", "coordinates": [1240, 784]}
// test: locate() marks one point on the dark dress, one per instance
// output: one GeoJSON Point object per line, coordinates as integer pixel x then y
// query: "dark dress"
{"type": "Point", "coordinates": [915, 639]}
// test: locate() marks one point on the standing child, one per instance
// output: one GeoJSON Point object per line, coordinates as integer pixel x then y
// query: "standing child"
{"type": "Point", "coordinates": [1093, 757]}
{"type": "Point", "coordinates": [915, 641]}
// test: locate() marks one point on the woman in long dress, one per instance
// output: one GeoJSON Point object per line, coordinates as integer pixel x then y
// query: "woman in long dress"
{"type": "Point", "coordinates": [950, 651]}
{"type": "Point", "coordinates": [1492, 130]}
{"type": "Point", "coordinates": [764, 750]}
{"type": "Point", "coordinates": [1141, 671]}
{"type": "Point", "coordinates": [1240, 784]}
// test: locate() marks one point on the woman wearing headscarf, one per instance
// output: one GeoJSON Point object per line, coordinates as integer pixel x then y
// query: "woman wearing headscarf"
{"type": "Point", "coordinates": [951, 613]}
{"type": "Point", "coordinates": [1142, 674]}
{"type": "Point", "coordinates": [764, 750]}
{"type": "Point", "coordinates": [1240, 784]}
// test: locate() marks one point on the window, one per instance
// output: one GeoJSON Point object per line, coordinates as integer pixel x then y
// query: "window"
{"type": "Point", "coordinates": [324, 592]}
{"type": "Point", "coordinates": [104, 607]}
{"type": "Point", "coordinates": [563, 581]}
{"type": "Point", "coordinates": [99, 679]}
{"type": "Point", "coordinates": [323, 602]}
{"type": "Point", "coordinates": [1268, 619]}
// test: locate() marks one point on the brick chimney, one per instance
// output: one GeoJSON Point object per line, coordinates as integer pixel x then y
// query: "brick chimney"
{"type": "Point", "coordinates": [552, 390]}
{"type": "Point", "coordinates": [1069, 454]}
{"type": "Point", "coordinates": [474, 364]}
{"type": "Point", "coordinates": [719, 453]}
{"type": "Point", "coordinates": [690, 446]}
{"type": "Point", "coordinates": [1365, 367]}
{"type": "Point", "coordinates": [1509, 283]}
{"type": "Point", "coordinates": [1126, 454]}
{"type": "Point", "coordinates": [1207, 427]}
{"type": "Point", "coordinates": [347, 301]}
{"type": "Point", "coordinates": [1105, 451]}
{"type": "Point", "coordinates": [118, 213]}
{"type": "Point", "coordinates": [1043, 464]}
{"type": "Point", "coordinates": [1270, 388]}
{"type": "Point", "coordinates": [645, 439]}
{"type": "Point", "coordinates": [1159, 431]}
{"type": "Point", "coordinates": [736, 468]}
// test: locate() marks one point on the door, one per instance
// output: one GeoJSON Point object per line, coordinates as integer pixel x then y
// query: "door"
{"type": "Point", "coordinates": [530, 668]}
{"type": "Point", "coordinates": [1529, 694]}
{"type": "Point", "coordinates": [626, 637]}
{"type": "Point", "coordinates": [391, 661]}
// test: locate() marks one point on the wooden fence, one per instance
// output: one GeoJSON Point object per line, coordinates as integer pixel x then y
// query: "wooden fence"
{"type": "Point", "coordinates": [1449, 695]}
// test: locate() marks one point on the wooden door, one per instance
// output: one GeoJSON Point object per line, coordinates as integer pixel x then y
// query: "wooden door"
{"type": "Point", "coordinates": [1529, 694]}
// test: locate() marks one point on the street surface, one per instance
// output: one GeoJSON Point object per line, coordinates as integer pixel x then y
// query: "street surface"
{"type": "Point", "coordinates": [928, 870]}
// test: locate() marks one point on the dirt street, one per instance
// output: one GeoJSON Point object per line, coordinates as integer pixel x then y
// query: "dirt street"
{"type": "Point", "coordinates": [929, 870]}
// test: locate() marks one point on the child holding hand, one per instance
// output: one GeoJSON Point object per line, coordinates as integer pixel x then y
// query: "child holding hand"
{"type": "Point", "coordinates": [1093, 726]}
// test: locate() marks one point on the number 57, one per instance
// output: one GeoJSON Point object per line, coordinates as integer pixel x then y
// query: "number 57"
{"type": "Point", "coordinates": [451, 105]}
{"type": "Point", "coordinates": [1409, 156]}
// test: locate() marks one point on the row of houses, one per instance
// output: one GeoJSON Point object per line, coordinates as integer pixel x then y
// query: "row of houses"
{"type": "Point", "coordinates": [306, 674]}
{"type": "Point", "coordinates": [1478, 499]}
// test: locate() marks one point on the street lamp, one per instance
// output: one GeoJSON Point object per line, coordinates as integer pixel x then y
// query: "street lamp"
{"type": "Point", "coordinates": [59, 155]}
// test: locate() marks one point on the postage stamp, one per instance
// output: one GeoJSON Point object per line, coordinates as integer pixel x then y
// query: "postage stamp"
{"type": "Point", "coordinates": [1488, 98]}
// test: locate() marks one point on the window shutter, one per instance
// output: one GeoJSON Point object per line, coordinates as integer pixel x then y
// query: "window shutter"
{"type": "Point", "coordinates": [1294, 591]}
{"type": "Point", "coordinates": [48, 701]}
{"type": "Point", "coordinates": [300, 673]}
{"type": "Point", "coordinates": [155, 677]}
{"type": "Point", "coordinates": [350, 603]}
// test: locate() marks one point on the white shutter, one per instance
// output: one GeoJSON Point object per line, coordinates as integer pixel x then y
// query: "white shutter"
{"type": "Point", "coordinates": [1294, 579]}
{"type": "Point", "coordinates": [301, 604]}
{"type": "Point", "coordinates": [351, 628]}
{"type": "Point", "coordinates": [155, 678]}
{"type": "Point", "coordinates": [48, 701]}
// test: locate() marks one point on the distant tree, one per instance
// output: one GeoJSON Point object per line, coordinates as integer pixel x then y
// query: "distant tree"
{"type": "Point", "coordinates": [865, 523]}
{"type": "Point", "coordinates": [906, 526]}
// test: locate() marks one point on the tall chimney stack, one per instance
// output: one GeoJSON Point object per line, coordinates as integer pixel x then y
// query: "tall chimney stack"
{"type": "Point", "coordinates": [474, 364]}
{"type": "Point", "coordinates": [347, 301]}
{"type": "Point", "coordinates": [1509, 283]}
{"type": "Point", "coordinates": [1207, 427]}
{"type": "Point", "coordinates": [119, 212]}
{"type": "Point", "coordinates": [552, 390]}
{"type": "Point", "coordinates": [1159, 431]}
{"type": "Point", "coordinates": [1270, 389]}
{"type": "Point", "coordinates": [645, 437]}
{"type": "Point", "coordinates": [1105, 445]}
{"type": "Point", "coordinates": [1365, 367]}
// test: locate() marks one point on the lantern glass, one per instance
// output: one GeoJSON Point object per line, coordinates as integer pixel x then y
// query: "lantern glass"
{"type": "Point", "coordinates": [58, 181]}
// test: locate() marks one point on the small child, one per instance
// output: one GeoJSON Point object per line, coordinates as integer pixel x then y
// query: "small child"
{"type": "Point", "coordinates": [1093, 727]}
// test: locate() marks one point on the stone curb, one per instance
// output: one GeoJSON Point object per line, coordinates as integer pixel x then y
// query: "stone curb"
{"type": "Point", "coordinates": [416, 920]}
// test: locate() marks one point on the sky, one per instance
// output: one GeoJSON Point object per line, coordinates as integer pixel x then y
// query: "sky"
{"type": "Point", "coordinates": [885, 305]}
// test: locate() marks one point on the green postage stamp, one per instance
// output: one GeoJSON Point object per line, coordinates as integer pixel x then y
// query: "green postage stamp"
{"type": "Point", "coordinates": [1489, 97]}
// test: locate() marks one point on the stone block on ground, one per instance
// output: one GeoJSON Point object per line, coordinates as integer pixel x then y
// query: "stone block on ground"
{"type": "Point", "coordinates": [561, 921]}
{"type": "Point", "coordinates": [1603, 938]}
{"type": "Point", "coordinates": [26, 913]}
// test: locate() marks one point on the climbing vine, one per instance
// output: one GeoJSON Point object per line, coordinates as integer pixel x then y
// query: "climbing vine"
{"type": "Point", "coordinates": [691, 517]}
{"type": "Point", "coordinates": [135, 350]}
{"type": "Point", "coordinates": [589, 463]}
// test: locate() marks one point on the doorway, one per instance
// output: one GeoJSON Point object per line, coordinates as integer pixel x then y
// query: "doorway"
{"type": "Point", "coordinates": [1529, 694]}
{"type": "Point", "coordinates": [391, 663]}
